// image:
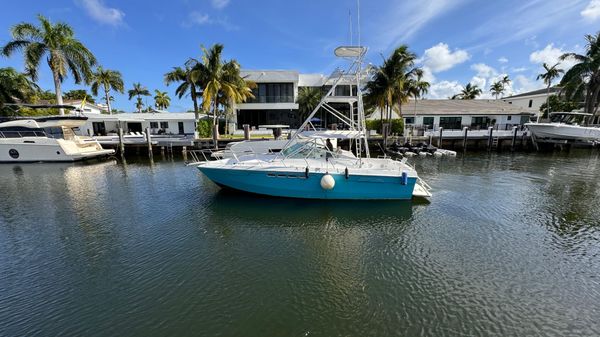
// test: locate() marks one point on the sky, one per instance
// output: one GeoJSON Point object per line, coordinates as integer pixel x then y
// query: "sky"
{"type": "Point", "coordinates": [457, 41]}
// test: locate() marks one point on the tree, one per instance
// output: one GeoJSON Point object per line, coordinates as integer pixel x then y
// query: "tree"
{"type": "Point", "coordinates": [57, 42]}
{"type": "Point", "coordinates": [583, 79]}
{"type": "Point", "coordinates": [505, 81]}
{"type": "Point", "coordinates": [78, 94]}
{"type": "Point", "coordinates": [107, 80]}
{"type": "Point", "coordinates": [161, 100]}
{"type": "Point", "coordinates": [219, 78]}
{"type": "Point", "coordinates": [497, 89]}
{"type": "Point", "coordinates": [417, 89]}
{"type": "Point", "coordinates": [187, 83]}
{"type": "Point", "coordinates": [14, 87]}
{"type": "Point", "coordinates": [138, 91]}
{"type": "Point", "coordinates": [548, 76]}
{"type": "Point", "coordinates": [558, 104]}
{"type": "Point", "coordinates": [308, 99]}
{"type": "Point", "coordinates": [390, 85]}
{"type": "Point", "coordinates": [470, 91]}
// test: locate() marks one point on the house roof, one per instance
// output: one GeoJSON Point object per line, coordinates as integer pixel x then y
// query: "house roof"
{"type": "Point", "coordinates": [453, 107]}
{"type": "Point", "coordinates": [274, 76]}
{"type": "Point", "coordinates": [543, 91]}
{"type": "Point", "coordinates": [165, 116]}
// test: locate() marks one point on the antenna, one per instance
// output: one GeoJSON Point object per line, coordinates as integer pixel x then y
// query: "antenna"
{"type": "Point", "coordinates": [358, 19]}
{"type": "Point", "coordinates": [350, 19]}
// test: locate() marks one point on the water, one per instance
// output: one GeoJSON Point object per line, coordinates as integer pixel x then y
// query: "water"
{"type": "Point", "coordinates": [509, 245]}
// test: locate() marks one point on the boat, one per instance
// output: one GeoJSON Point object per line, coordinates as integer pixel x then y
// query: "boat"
{"type": "Point", "coordinates": [565, 126]}
{"type": "Point", "coordinates": [310, 167]}
{"type": "Point", "coordinates": [46, 139]}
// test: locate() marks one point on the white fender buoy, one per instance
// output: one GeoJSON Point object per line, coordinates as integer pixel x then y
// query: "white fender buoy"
{"type": "Point", "coordinates": [327, 182]}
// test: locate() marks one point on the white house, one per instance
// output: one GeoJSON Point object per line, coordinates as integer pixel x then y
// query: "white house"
{"type": "Point", "coordinates": [532, 99]}
{"type": "Point", "coordinates": [165, 123]}
{"type": "Point", "coordinates": [450, 114]}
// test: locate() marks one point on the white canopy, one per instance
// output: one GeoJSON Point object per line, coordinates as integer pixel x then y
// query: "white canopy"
{"type": "Point", "coordinates": [337, 134]}
{"type": "Point", "coordinates": [350, 51]}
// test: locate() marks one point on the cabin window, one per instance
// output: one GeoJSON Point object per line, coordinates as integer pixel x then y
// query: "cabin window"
{"type": "Point", "coordinates": [164, 125]}
{"type": "Point", "coordinates": [153, 125]}
{"type": "Point", "coordinates": [530, 103]}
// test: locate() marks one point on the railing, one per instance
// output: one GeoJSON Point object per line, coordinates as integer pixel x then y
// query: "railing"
{"type": "Point", "coordinates": [472, 127]}
{"type": "Point", "coordinates": [272, 99]}
{"type": "Point", "coordinates": [21, 134]}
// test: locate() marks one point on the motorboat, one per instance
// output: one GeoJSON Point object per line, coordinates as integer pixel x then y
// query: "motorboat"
{"type": "Point", "coordinates": [565, 126]}
{"type": "Point", "coordinates": [47, 139]}
{"type": "Point", "coordinates": [311, 167]}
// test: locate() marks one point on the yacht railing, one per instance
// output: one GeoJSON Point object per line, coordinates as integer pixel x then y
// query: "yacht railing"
{"type": "Point", "coordinates": [22, 134]}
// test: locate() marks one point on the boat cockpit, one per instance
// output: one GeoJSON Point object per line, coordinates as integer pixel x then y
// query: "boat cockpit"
{"type": "Point", "coordinates": [570, 118]}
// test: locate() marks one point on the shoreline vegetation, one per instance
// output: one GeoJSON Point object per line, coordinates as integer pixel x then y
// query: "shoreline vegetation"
{"type": "Point", "coordinates": [215, 85]}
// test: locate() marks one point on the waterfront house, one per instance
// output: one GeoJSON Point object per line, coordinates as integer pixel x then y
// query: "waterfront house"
{"type": "Point", "coordinates": [452, 114]}
{"type": "Point", "coordinates": [531, 99]}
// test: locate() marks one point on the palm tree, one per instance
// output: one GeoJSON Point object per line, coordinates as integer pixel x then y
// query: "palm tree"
{"type": "Point", "coordinates": [497, 88]}
{"type": "Point", "coordinates": [418, 88]}
{"type": "Point", "coordinates": [138, 91]}
{"type": "Point", "coordinates": [187, 85]}
{"type": "Point", "coordinates": [391, 82]}
{"type": "Point", "coordinates": [583, 79]}
{"type": "Point", "coordinates": [219, 78]}
{"type": "Point", "coordinates": [548, 76]}
{"type": "Point", "coordinates": [505, 81]}
{"type": "Point", "coordinates": [308, 99]}
{"type": "Point", "coordinates": [161, 100]}
{"type": "Point", "coordinates": [107, 79]}
{"type": "Point", "coordinates": [15, 87]}
{"type": "Point", "coordinates": [62, 50]}
{"type": "Point", "coordinates": [470, 91]}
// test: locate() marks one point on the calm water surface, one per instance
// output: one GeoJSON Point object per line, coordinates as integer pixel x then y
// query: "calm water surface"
{"type": "Point", "coordinates": [509, 245]}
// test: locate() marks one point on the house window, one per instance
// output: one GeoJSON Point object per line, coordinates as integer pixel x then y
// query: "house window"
{"type": "Point", "coordinates": [509, 118]}
{"type": "Point", "coordinates": [409, 120]}
{"type": "Point", "coordinates": [530, 103]}
{"type": "Point", "coordinates": [451, 123]}
{"type": "Point", "coordinates": [428, 121]}
{"type": "Point", "coordinates": [164, 125]}
{"type": "Point", "coordinates": [153, 125]}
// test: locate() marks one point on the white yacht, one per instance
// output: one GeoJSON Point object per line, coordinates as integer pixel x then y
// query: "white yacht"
{"type": "Point", "coordinates": [47, 139]}
{"type": "Point", "coordinates": [565, 126]}
{"type": "Point", "coordinates": [310, 166]}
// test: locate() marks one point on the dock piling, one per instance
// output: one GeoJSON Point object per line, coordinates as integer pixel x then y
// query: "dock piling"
{"type": "Point", "coordinates": [441, 138]}
{"type": "Point", "coordinates": [490, 138]}
{"type": "Point", "coordinates": [514, 139]}
{"type": "Point", "coordinates": [121, 142]}
{"type": "Point", "coordinates": [149, 141]}
{"type": "Point", "coordinates": [465, 137]}
{"type": "Point", "coordinates": [246, 131]}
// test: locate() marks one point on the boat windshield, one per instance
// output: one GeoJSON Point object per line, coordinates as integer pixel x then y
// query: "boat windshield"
{"type": "Point", "coordinates": [305, 150]}
{"type": "Point", "coordinates": [567, 118]}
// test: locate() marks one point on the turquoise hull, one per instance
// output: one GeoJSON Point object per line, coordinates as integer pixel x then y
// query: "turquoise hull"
{"type": "Point", "coordinates": [297, 185]}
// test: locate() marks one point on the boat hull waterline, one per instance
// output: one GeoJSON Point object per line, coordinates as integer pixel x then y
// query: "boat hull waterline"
{"type": "Point", "coordinates": [295, 184]}
{"type": "Point", "coordinates": [564, 131]}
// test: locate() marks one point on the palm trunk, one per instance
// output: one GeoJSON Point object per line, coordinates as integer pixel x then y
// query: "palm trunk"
{"type": "Point", "coordinates": [194, 99]}
{"type": "Point", "coordinates": [107, 95]}
{"type": "Point", "coordinates": [58, 92]}
{"type": "Point", "coordinates": [593, 107]}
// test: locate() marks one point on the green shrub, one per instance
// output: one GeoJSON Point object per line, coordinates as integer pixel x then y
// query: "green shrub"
{"type": "Point", "coordinates": [397, 125]}
{"type": "Point", "coordinates": [204, 128]}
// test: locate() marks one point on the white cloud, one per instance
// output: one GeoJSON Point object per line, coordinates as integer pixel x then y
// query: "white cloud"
{"type": "Point", "coordinates": [503, 60]}
{"type": "Point", "coordinates": [219, 4]}
{"type": "Point", "coordinates": [198, 18]}
{"type": "Point", "coordinates": [483, 70]}
{"type": "Point", "coordinates": [551, 55]}
{"type": "Point", "coordinates": [519, 69]}
{"type": "Point", "coordinates": [592, 11]}
{"type": "Point", "coordinates": [391, 30]}
{"type": "Point", "coordinates": [440, 57]}
{"type": "Point", "coordinates": [101, 13]}
{"type": "Point", "coordinates": [444, 89]}
{"type": "Point", "coordinates": [524, 84]}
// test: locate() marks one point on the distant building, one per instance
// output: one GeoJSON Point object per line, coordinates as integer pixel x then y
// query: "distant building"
{"type": "Point", "coordinates": [166, 123]}
{"type": "Point", "coordinates": [450, 114]}
{"type": "Point", "coordinates": [532, 99]}
{"type": "Point", "coordinates": [276, 96]}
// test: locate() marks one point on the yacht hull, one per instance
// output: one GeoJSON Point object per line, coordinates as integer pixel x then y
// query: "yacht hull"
{"type": "Point", "coordinates": [37, 149]}
{"type": "Point", "coordinates": [564, 132]}
{"type": "Point", "coordinates": [294, 184]}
